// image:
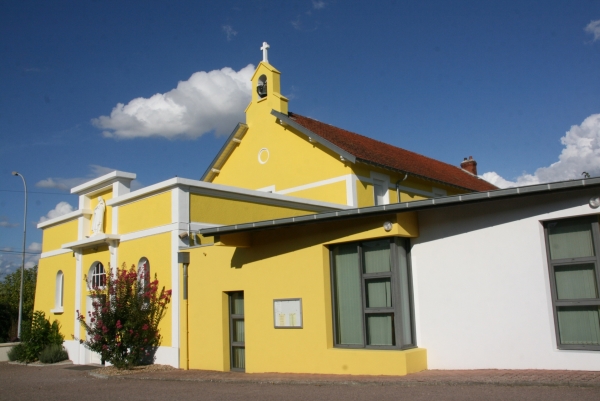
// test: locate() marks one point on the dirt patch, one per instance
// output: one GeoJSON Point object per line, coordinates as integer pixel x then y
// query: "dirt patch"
{"type": "Point", "coordinates": [113, 371]}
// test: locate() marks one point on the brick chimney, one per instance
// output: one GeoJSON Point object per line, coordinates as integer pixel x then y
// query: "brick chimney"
{"type": "Point", "coordinates": [470, 165]}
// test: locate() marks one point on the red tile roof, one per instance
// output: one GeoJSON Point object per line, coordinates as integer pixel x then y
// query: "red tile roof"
{"type": "Point", "coordinates": [371, 151]}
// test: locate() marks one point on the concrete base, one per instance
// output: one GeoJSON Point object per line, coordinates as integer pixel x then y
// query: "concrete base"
{"type": "Point", "coordinates": [4, 348]}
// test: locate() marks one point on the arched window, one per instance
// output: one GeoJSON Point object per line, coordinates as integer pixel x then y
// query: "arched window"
{"type": "Point", "coordinates": [58, 292]}
{"type": "Point", "coordinates": [144, 272]}
{"type": "Point", "coordinates": [97, 275]}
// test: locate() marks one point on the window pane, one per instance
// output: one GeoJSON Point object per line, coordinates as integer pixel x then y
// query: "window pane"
{"type": "Point", "coordinates": [380, 329]}
{"type": "Point", "coordinates": [238, 331]}
{"type": "Point", "coordinates": [379, 293]}
{"type": "Point", "coordinates": [576, 281]}
{"type": "Point", "coordinates": [347, 296]}
{"type": "Point", "coordinates": [579, 325]}
{"type": "Point", "coordinates": [237, 303]}
{"type": "Point", "coordinates": [570, 239]}
{"type": "Point", "coordinates": [405, 295]}
{"type": "Point", "coordinates": [376, 256]}
{"type": "Point", "coordinates": [239, 357]}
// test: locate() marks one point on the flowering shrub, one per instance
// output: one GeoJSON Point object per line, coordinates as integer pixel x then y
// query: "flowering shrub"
{"type": "Point", "coordinates": [123, 323]}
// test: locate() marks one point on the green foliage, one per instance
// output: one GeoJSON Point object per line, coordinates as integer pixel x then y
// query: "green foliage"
{"type": "Point", "coordinates": [17, 353]}
{"type": "Point", "coordinates": [10, 288]}
{"type": "Point", "coordinates": [37, 336]}
{"type": "Point", "coordinates": [123, 322]}
{"type": "Point", "coordinates": [53, 353]}
{"type": "Point", "coordinates": [5, 323]}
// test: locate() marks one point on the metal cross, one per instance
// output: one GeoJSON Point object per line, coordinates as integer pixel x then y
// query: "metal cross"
{"type": "Point", "coordinates": [264, 48]}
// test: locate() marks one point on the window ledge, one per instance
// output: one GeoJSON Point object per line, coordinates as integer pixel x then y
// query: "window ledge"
{"type": "Point", "coordinates": [57, 311]}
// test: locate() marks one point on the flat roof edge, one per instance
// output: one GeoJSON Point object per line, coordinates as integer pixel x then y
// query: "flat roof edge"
{"type": "Point", "coordinates": [474, 197]}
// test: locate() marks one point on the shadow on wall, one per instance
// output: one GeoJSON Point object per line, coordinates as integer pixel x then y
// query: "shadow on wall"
{"type": "Point", "coordinates": [276, 242]}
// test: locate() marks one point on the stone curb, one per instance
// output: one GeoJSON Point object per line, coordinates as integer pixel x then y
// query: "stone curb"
{"type": "Point", "coordinates": [404, 383]}
{"type": "Point", "coordinates": [39, 364]}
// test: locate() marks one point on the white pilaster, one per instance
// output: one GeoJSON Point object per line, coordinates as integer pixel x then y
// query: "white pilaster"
{"type": "Point", "coordinates": [180, 214]}
{"type": "Point", "coordinates": [79, 357]}
{"type": "Point", "coordinates": [351, 196]}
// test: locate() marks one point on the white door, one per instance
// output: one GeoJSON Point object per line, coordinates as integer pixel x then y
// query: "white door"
{"type": "Point", "coordinates": [90, 357]}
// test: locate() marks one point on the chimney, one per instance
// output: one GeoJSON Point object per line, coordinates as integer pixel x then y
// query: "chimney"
{"type": "Point", "coordinates": [470, 165]}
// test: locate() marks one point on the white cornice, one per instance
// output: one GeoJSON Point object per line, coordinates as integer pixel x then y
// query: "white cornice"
{"type": "Point", "coordinates": [91, 241]}
{"type": "Point", "coordinates": [64, 218]}
{"type": "Point", "coordinates": [227, 192]}
{"type": "Point", "coordinates": [101, 181]}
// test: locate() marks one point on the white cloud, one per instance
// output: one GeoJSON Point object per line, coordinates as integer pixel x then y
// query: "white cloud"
{"type": "Point", "coordinates": [317, 5]}
{"type": "Point", "coordinates": [594, 28]}
{"type": "Point", "coordinates": [207, 102]}
{"type": "Point", "coordinates": [61, 208]}
{"type": "Point", "coordinates": [66, 184]}
{"type": "Point", "coordinates": [5, 223]}
{"type": "Point", "coordinates": [581, 153]}
{"type": "Point", "coordinates": [34, 247]}
{"type": "Point", "coordinates": [229, 31]}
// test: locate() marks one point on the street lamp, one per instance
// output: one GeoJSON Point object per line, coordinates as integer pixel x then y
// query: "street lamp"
{"type": "Point", "coordinates": [23, 259]}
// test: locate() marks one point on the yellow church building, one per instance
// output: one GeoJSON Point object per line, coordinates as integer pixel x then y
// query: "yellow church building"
{"type": "Point", "coordinates": [292, 253]}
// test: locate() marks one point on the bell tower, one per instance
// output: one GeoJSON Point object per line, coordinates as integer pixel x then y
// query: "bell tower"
{"type": "Point", "coordinates": [266, 88]}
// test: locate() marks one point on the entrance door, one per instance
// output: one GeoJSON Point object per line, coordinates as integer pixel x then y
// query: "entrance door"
{"type": "Point", "coordinates": [237, 331]}
{"type": "Point", "coordinates": [91, 356]}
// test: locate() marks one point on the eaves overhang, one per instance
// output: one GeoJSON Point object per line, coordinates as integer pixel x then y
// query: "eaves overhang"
{"type": "Point", "coordinates": [226, 150]}
{"type": "Point", "coordinates": [93, 241]}
{"type": "Point", "coordinates": [286, 120]}
{"type": "Point", "coordinates": [475, 197]}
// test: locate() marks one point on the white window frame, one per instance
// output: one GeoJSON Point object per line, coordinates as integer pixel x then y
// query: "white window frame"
{"type": "Point", "coordinates": [144, 276]}
{"type": "Point", "coordinates": [59, 293]}
{"type": "Point", "coordinates": [92, 274]}
{"type": "Point", "coordinates": [384, 180]}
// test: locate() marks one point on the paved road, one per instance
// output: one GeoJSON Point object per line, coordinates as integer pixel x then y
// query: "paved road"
{"type": "Point", "coordinates": [63, 383]}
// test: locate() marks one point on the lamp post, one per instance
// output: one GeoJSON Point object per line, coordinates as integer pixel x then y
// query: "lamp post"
{"type": "Point", "coordinates": [23, 259]}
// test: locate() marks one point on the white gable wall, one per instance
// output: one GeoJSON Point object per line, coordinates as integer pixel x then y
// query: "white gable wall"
{"type": "Point", "coordinates": [481, 285]}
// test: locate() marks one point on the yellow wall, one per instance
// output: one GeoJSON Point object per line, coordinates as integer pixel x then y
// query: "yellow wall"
{"type": "Point", "coordinates": [334, 193]}
{"type": "Point", "coordinates": [46, 287]}
{"type": "Point", "coordinates": [209, 209]}
{"type": "Point", "coordinates": [106, 195]}
{"type": "Point", "coordinates": [284, 263]}
{"type": "Point", "coordinates": [147, 213]}
{"type": "Point", "coordinates": [364, 194]}
{"type": "Point", "coordinates": [55, 236]}
{"type": "Point", "coordinates": [157, 249]}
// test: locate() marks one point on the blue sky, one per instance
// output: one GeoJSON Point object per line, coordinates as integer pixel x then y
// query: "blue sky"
{"type": "Point", "coordinates": [91, 86]}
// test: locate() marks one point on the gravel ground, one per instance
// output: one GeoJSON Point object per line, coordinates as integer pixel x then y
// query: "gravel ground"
{"type": "Point", "coordinates": [112, 371]}
{"type": "Point", "coordinates": [73, 382]}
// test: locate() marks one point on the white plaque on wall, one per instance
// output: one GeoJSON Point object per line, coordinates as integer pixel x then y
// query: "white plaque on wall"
{"type": "Point", "coordinates": [287, 313]}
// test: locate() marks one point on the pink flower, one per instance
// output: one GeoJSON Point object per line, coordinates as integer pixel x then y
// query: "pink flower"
{"type": "Point", "coordinates": [145, 327]}
{"type": "Point", "coordinates": [119, 325]}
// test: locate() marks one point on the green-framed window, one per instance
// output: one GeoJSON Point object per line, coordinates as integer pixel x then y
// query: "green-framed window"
{"type": "Point", "coordinates": [572, 250]}
{"type": "Point", "coordinates": [372, 294]}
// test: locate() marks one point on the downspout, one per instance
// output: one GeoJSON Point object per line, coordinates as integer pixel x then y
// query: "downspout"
{"type": "Point", "coordinates": [184, 259]}
{"type": "Point", "coordinates": [398, 186]}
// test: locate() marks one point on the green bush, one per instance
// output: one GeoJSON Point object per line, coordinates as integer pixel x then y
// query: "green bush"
{"type": "Point", "coordinates": [53, 353]}
{"type": "Point", "coordinates": [37, 336]}
{"type": "Point", "coordinates": [17, 353]}
{"type": "Point", "coordinates": [124, 318]}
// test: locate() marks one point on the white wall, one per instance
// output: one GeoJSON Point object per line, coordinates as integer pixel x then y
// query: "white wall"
{"type": "Point", "coordinates": [481, 285]}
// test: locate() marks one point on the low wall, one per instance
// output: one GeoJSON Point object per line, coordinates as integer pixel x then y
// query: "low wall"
{"type": "Point", "coordinates": [4, 348]}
